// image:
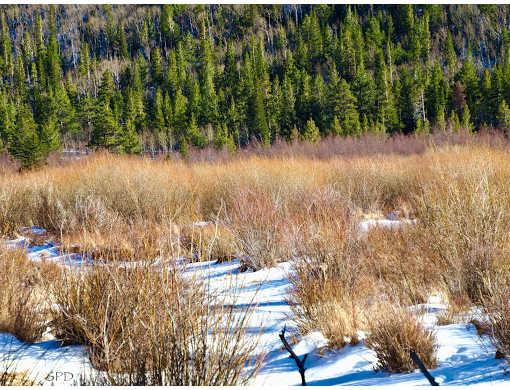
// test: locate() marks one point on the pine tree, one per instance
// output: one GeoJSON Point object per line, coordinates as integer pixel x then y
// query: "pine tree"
{"type": "Point", "coordinates": [311, 132]}
{"type": "Point", "coordinates": [436, 95]}
{"type": "Point", "coordinates": [180, 117]}
{"type": "Point", "coordinates": [336, 127]}
{"type": "Point", "coordinates": [53, 62]}
{"type": "Point", "coordinates": [503, 117]}
{"type": "Point", "coordinates": [209, 106]}
{"type": "Point", "coordinates": [171, 76]}
{"type": "Point", "coordinates": [25, 145]}
{"type": "Point", "coordinates": [6, 58]}
{"type": "Point", "coordinates": [183, 148]}
{"type": "Point", "coordinates": [363, 88]}
{"type": "Point", "coordinates": [469, 79]}
{"type": "Point", "coordinates": [230, 72]}
{"type": "Point", "coordinates": [156, 67]}
{"type": "Point", "coordinates": [158, 119]}
{"type": "Point", "coordinates": [287, 110]}
{"type": "Point", "coordinates": [64, 111]}
{"type": "Point", "coordinates": [106, 132]}
{"type": "Point", "coordinates": [454, 121]}
{"type": "Point", "coordinates": [106, 90]}
{"type": "Point", "coordinates": [168, 28]}
{"type": "Point", "coordinates": [451, 56]}
{"type": "Point", "coordinates": [49, 136]}
{"type": "Point", "coordinates": [122, 42]}
{"type": "Point", "coordinates": [466, 119]}
{"type": "Point", "coordinates": [130, 141]}
{"type": "Point", "coordinates": [259, 123]}
{"type": "Point", "coordinates": [7, 118]}
{"type": "Point", "coordinates": [193, 134]}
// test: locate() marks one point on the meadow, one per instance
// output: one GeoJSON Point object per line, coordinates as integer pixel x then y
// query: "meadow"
{"type": "Point", "coordinates": [300, 204]}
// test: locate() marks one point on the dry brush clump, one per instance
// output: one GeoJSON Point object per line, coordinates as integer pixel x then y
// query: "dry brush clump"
{"type": "Point", "coordinates": [496, 309]}
{"type": "Point", "coordinates": [464, 213]}
{"type": "Point", "coordinates": [330, 286]}
{"type": "Point", "coordinates": [23, 304]}
{"type": "Point", "coordinates": [395, 332]}
{"type": "Point", "coordinates": [148, 326]}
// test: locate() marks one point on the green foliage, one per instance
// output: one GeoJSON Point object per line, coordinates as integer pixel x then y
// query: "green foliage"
{"type": "Point", "coordinates": [503, 117]}
{"type": "Point", "coordinates": [311, 132]}
{"type": "Point", "coordinates": [25, 145]}
{"type": "Point", "coordinates": [171, 74]}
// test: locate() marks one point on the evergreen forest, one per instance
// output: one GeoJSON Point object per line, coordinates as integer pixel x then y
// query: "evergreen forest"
{"type": "Point", "coordinates": [162, 78]}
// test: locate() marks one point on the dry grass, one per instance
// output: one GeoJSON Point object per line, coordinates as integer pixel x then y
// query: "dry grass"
{"type": "Point", "coordinates": [496, 307]}
{"type": "Point", "coordinates": [23, 307]}
{"type": "Point", "coordinates": [146, 326]}
{"type": "Point", "coordinates": [394, 333]}
{"type": "Point", "coordinates": [278, 204]}
{"type": "Point", "coordinates": [330, 285]}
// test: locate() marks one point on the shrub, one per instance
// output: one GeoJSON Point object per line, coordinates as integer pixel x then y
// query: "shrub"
{"type": "Point", "coordinates": [330, 286]}
{"type": "Point", "coordinates": [394, 333]}
{"type": "Point", "coordinates": [209, 242]}
{"type": "Point", "coordinates": [496, 307]}
{"type": "Point", "coordinates": [466, 224]}
{"type": "Point", "coordinates": [257, 223]}
{"type": "Point", "coordinates": [147, 326]}
{"type": "Point", "coordinates": [23, 306]}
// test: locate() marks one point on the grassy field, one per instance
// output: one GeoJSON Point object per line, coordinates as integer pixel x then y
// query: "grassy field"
{"type": "Point", "coordinates": [294, 205]}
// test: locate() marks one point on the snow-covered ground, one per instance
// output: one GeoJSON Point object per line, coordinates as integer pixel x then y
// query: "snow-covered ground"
{"type": "Point", "coordinates": [464, 359]}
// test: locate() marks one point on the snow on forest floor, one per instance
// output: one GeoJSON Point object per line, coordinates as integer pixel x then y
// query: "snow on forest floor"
{"type": "Point", "coordinates": [464, 358]}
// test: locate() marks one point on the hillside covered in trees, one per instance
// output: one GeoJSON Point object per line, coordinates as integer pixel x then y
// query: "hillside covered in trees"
{"type": "Point", "coordinates": [168, 77]}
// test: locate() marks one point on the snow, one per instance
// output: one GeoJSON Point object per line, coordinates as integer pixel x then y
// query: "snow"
{"type": "Point", "coordinates": [464, 358]}
{"type": "Point", "coordinates": [45, 361]}
{"type": "Point", "coordinates": [365, 226]}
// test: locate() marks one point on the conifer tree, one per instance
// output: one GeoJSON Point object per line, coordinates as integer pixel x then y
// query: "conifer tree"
{"type": "Point", "coordinates": [171, 76]}
{"type": "Point", "coordinates": [469, 79]}
{"type": "Point", "coordinates": [168, 28]}
{"type": "Point", "coordinates": [7, 118]}
{"type": "Point", "coordinates": [230, 72]}
{"type": "Point", "coordinates": [193, 134]}
{"type": "Point", "coordinates": [25, 145]}
{"type": "Point", "coordinates": [311, 131]}
{"type": "Point", "coordinates": [503, 117]}
{"type": "Point", "coordinates": [106, 90]}
{"type": "Point", "coordinates": [122, 42]}
{"type": "Point", "coordinates": [466, 119]}
{"type": "Point", "coordinates": [436, 95]}
{"type": "Point", "coordinates": [259, 123]}
{"type": "Point", "coordinates": [183, 148]}
{"type": "Point", "coordinates": [288, 107]}
{"type": "Point", "coordinates": [106, 132]}
{"type": "Point", "coordinates": [158, 119]}
{"type": "Point", "coordinates": [209, 106]}
{"type": "Point", "coordinates": [48, 136]}
{"type": "Point", "coordinates": [363, 88]}
{"type": "Point", "coordinates": [53, 62]}
{"type": "Point", "coordinates": [156, 66]}
{"type": "Point", "coordinates": [180, 117]}
{"type": "Point", "coordinates": [336, 127]}
{"type": "Point", "coordinates": [64, 112]}
{"type": "Point", "coordinates": [130, 141]}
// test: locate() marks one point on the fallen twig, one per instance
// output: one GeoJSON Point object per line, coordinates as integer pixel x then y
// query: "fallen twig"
{"type": "Point", "coordinates": [299, 363]}
{"type": "Point", "coordinates": [423, 369]}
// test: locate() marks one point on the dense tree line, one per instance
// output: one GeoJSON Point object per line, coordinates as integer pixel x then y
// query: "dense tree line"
{"type": "Point", "coordinates": [164, 77]}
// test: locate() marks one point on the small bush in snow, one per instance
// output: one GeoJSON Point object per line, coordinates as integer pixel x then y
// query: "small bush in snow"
{"type": "Point", "coordinates": [394, 333]}
{"type": "Point", "coordinates": [23, 307]}
{"type": "Point", "coordinates": [147, 326]}
{"type": "Point", "coordinates": [496, 307]}
{"type": "Point", "coordinates": [330, 286]}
